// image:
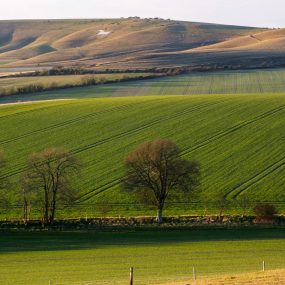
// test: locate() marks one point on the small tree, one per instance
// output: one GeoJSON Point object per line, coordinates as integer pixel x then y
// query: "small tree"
{"type": "Point", "coordinates": [245, 204]}
{"type": "Point", "coordinates": [222, 204]}
{"type": "Point", "coordinates": [155, 170]}
{"type": "Point", "coordinates": [49, 172]}
{"type": "Point", "coordinates": [104, 207]}
{"type": "Point", "coordinates": [265, 211]}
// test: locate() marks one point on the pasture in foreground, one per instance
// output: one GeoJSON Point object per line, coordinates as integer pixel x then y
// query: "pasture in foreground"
{"type": "Point", "coordinates": [238, 140]}
{"type": "Point", "coordinates": [158, 256]}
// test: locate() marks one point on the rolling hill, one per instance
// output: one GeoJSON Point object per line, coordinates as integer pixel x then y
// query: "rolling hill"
{"type": "Point", "coordinates": [237, 138]}
{"type": "Point", "coordinates": [136, 43]}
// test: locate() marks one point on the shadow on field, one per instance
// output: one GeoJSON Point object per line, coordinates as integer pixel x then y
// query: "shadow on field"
{"type": "Point", "coordinates": [50, 241]}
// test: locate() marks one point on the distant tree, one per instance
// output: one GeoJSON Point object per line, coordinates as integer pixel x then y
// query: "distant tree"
{"type": "Point", "coordinates": [104, 207]}
{"type": "Point", "coordinates": [264, 211]}
{"type": "Point", "coordinates": [244, 204]}
{"type": "Point", "coordinates": [222, 203]}
{"type": "Point", "coordinates": [155, 170]}
{"type": "Point", "coordinates": [49, 174]}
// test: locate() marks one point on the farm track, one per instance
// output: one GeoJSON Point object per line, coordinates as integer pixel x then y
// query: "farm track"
{"type": "Point", "coordinates": [231, 130]}
{"type": "Point", "coordinates": [117, 181]}
{"type": "Point", "coordinates": [239, 189]}
{"type": "Point", "coordinates": [91, 194]}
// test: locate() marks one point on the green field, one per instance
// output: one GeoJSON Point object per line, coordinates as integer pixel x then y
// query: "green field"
{"type": "Point", "coordinates": [238, 140]}
{"type": "Point", "coordinates": [222, 82]}
{"type": "Point", "coordinates": [157, 256]}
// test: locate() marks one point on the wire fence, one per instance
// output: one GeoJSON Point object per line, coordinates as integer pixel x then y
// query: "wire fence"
{"type": "Point", "coordinates": [143, 276]}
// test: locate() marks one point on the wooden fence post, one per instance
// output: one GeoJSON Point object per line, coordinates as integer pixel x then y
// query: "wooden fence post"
{"type": "Point", "coordinates": [263, 266]}
{"type": "Point", "coordinates": [194, 274]}
{"type": "Point", "coordinates": [131, 276]}
{"type": "Point", "coordinates": [50, 282]}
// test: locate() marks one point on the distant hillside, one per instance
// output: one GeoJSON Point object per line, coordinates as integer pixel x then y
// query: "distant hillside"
{"type": "Point", "coordinates": [135, 43]}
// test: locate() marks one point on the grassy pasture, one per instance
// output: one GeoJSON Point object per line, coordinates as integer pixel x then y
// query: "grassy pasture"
{"type": "Point", "coordinates": [226, 82]}
{"type": "Point", "coordinates": [158, 256]}
{"type": "Point", "coordinates": [238, 140]}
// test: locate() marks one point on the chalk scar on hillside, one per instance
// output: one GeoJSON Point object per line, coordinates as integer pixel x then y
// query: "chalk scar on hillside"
{"type": "Point", "coordinates": [103, 33]}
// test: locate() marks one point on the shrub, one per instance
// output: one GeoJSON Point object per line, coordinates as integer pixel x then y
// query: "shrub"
{"type": "Point", "coordinates": [265, 211]}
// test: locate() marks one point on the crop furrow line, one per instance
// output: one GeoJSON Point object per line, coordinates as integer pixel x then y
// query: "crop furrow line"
{"type": "Point", "coordinates": [24, 112]}
{"type": "Point", "coordinates": [232, 129]}
{"type": "Point", "coordinates": [118, 180]}
{"type": "Point", "coordinates": [135, 130]}
{"type": "Point", "coordinates": [85, 197]}
{"type": "Point", "coordinates": [256, 178]}
{"type": "Point", "coordinates": [185, 151]}
{"type": "Point", "coordinates": [68, 122]}
{"type": "Point", "coordinates": [120, 135]}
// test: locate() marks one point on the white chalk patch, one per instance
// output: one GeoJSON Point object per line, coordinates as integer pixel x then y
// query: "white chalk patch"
{"type": "Point", "coordinates": [103, 33]}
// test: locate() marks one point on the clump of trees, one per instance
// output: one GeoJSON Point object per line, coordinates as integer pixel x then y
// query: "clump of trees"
{"type": "Point", "coordinates": [155, 173]}
{"type": "Point", "coordinates": [47, 180]}
{"type": "Point", "coordinates": [155, 170]}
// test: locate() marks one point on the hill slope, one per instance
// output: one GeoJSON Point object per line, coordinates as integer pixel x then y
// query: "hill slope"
{"type": "Point", "coordinates": [116, 43]}
{"type": "Point", "coordinates": [238, 140]}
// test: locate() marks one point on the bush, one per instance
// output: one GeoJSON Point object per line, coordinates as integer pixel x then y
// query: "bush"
{"type": "Point", "coordinates": [265, 211]}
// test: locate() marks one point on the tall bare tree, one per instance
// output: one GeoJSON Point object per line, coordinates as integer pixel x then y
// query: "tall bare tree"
{"type": "Point", "coordinates": [50, 172]}
{"type": "Point", "coordinates": [26, 196]}
{"type": "Point", "coordinates": [155, 170]}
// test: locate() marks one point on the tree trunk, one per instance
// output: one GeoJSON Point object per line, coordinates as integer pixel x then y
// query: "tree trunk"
{"type": "Point", "coordinates": [25, 208]}
{"type": "Point", "coordinates": [46, 215]}
{"type": "Point", "coordinates": [159, 214]}
{"type": "Point", "coordinates": [52, 212]}
{"type": "Point", "coordinates": [46, 208]}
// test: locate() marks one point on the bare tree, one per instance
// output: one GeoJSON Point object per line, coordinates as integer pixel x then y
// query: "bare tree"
{"type": "Point", "coordinates": [49, 172]}
{"type": "Point", "coordinates": [222, 204]}
{"type": "Point", "coordinates": [155, 170]}
{"type": "Point", "coordinates": [26, 196]}
{"type": "Point", "coordinates": [244, 204]}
